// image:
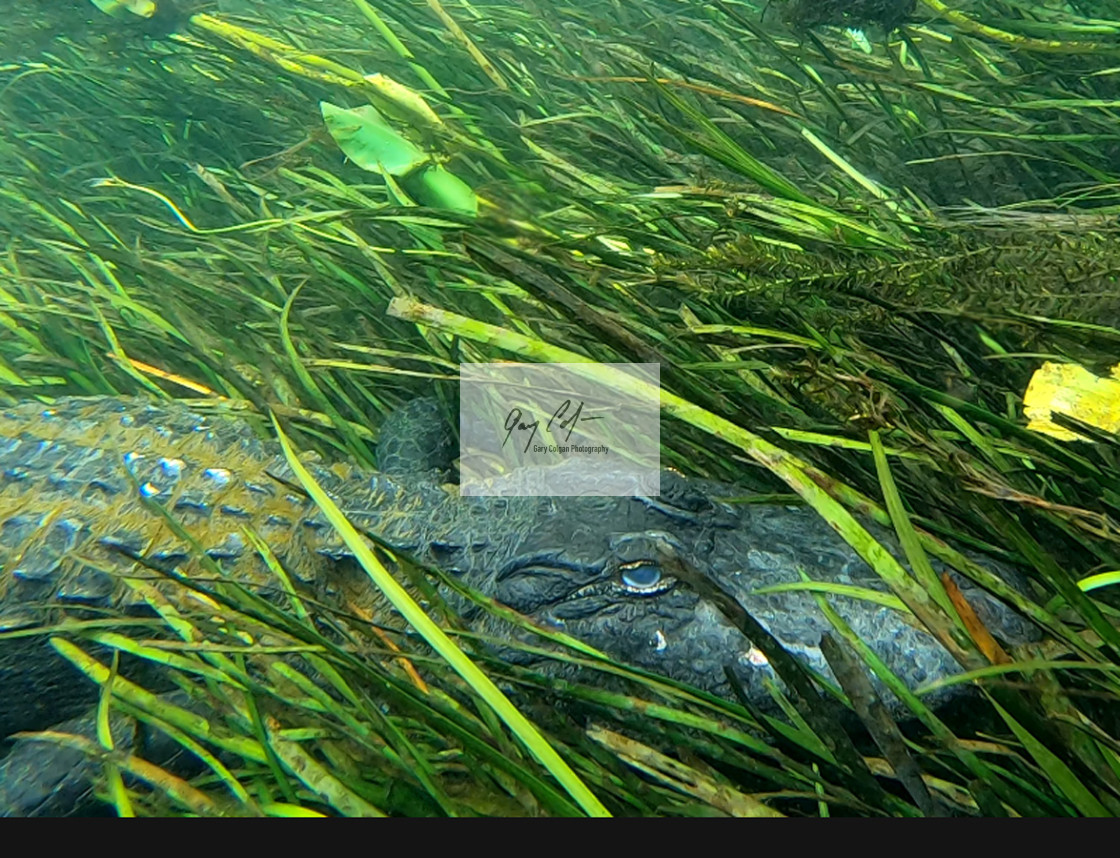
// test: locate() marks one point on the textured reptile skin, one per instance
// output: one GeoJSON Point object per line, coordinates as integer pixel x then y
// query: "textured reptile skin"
{"type": "Point", "coordinates": [72, 523]}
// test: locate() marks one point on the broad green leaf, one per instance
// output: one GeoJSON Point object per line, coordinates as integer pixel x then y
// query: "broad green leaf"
{"type": "Point", "coordinates": [368, 140]}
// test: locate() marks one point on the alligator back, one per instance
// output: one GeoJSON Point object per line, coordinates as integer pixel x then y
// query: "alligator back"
{"type": "Point", "coordinates": [74, 524]}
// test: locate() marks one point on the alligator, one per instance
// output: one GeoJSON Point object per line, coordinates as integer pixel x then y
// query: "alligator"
{"type": "Point", "coordinates": [77, 531]}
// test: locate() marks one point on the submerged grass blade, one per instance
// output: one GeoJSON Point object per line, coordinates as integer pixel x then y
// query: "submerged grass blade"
{"type": "Point", "coordinates": [434, 635]}
{"type": "Point", "coordinates": [1059, 773]}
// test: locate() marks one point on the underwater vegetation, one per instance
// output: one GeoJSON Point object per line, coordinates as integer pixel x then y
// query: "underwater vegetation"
{"type": "Point", "coordinates": [850, 258]}
{"type": "Point", "coordinates": [887, 14]}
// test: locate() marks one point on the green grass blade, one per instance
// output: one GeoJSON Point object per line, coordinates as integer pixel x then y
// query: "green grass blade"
{"type": "Point", "coordinates": [434, 635]}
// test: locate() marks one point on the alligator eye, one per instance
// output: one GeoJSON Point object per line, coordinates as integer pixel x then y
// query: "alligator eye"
{"type": "Point", "coordinates": [641, 576]}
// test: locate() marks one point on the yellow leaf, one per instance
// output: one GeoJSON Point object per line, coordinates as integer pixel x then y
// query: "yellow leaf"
{"type": "Point", "coordinates": [411, 103]}
{"type": "Point", "coordinates": [1067, 388]}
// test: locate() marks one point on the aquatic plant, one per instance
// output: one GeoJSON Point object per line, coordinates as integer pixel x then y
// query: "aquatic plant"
{"type": "Point", "coordinates": [859, 259]}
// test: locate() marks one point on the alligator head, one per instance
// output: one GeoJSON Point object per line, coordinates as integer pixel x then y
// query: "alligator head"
{"type": "Point", "coordinates": [617, 573]}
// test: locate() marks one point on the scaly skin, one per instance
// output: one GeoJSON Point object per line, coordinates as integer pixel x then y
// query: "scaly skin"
{"type": "Point", "coordinates": [72, 522]}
